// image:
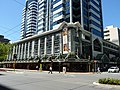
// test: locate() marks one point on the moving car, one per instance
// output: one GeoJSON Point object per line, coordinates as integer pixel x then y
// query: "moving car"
{"type": "Point", "coordinates": [113, 69]}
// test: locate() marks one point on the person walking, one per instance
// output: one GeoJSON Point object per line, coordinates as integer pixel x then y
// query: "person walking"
{"type": "Point", "coordinates": [37, 68]}
{"type": "Point", "coordinates": [50, 70]}
{"type": "Point", "coordinates": [98, 70]}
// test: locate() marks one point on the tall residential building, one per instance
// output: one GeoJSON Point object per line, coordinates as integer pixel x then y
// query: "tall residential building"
{"type": "Point", "coordinates": [112, 34]}
{"type": "Point", "coordinates": [68, 33]}
{"type": "Point", "coordinates": [51, 13]}
{"type": "Point", "coordinates": [29, 19]}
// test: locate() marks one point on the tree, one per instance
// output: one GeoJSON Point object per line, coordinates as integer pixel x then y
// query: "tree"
{"type": "Point", "coordinates": [4, 49]}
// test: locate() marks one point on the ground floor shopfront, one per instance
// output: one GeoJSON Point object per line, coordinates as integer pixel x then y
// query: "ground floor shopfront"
{"type": "Point", "coordinates": [81, 66]}
{"type": "Point", "coordinates": [57, 66]}
{"type": "Point", "coordinates": [69, 46]}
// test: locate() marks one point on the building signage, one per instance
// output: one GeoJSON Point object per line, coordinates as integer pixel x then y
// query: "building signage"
{"type": "Point", "coordinates": [65, 41]}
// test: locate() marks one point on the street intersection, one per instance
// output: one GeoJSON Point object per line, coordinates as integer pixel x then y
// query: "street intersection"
{"type": "Point", "coordinates": [35, 80]}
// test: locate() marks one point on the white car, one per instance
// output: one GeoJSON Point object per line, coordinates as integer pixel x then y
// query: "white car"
{"type": "Point", "coordinates": [113, 69]}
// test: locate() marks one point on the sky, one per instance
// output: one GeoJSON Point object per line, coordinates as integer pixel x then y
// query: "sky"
{"type": "Point", "coordinates": [11, 16]}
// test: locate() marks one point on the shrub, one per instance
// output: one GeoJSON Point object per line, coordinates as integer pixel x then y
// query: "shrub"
{"type": "Point", "coordinates": [111, 81]}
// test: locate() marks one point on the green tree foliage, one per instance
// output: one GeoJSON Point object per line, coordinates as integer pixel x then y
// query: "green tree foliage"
{"type": "Point", "coordinates": [4, 49]}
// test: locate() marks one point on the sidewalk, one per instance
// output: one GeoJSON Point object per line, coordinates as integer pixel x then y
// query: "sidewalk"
{"type": "Point", "coordinates": [26, 70]}
{"type": "Point", "coordinates": [19, 70]}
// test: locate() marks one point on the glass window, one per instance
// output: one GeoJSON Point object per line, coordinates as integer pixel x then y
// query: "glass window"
{"type": "Point", "coordinates": [91, 7]}
{"type": "Point", "coordinates": [58, 7]}
{"type": "Point", "coordinates": [96, 32]}
{"type": "Point", "coordinates": [67, 12]}
{"type": "Point", "coordinates": [56, 1]}
{"type": "Point", "coordinates": [67, 4]}
{"type": "Point", "coordinates": [94, 16]}
{"type": "Point", "coordinates": [96, 24]}
{"type": "Point", "coordinates": [58, 14]}
{"type": "Point", "coordinates": [57, 22]}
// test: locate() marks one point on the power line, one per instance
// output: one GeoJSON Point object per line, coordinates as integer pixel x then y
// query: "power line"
{"type": "Point", "coordinates": [19, 2]}
{"type": "Point", "coordinates": [11, 28]}
{"type": "Point", "coordinates": [12, 33]}
{"type": "Point", "coordinates": [4, 27]}
{"type": "Point", "coordinates": [8, 30]}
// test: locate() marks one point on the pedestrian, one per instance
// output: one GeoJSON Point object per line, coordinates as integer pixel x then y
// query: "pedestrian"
{"type": "Point", "coordinates": [50, 70]}
{"type": "Point", "coordinates": [98, 70]}
{"type": "Point", "coordinates": [37, 68]}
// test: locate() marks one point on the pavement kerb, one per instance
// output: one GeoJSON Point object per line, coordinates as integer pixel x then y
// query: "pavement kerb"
{"type": "Point", "coordinates": [79, 73]}
{"type": "Point", "coordinates": [26, 70]}
{"type": "Point", "coordinates": [106, 85]}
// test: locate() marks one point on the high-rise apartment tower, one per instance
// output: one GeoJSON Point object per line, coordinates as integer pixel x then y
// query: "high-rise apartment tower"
{"type": "Point", "coordinates": [44, 15]}
{"type": "Point", "coordinates": [29, 19]}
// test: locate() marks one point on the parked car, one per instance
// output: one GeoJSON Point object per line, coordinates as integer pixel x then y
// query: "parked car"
{"type": "Point", "coordinates": [113, 69]}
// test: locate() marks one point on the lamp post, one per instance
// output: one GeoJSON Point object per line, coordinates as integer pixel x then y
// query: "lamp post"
{"type": "Point", "coordinates": [89, 62]}
{"type": "Point", "coordinates": [39, 63]}
{"type": "Point", "coordinates": [51, 62]}
{"type": "Point", "coordinates": [95, 64]}
{"type": "Point", "coordinates": [14, 57]}
{"type": "Point", "coordinates": [59, 61]}
{"type": "Point", "coordinates": [59, 65]}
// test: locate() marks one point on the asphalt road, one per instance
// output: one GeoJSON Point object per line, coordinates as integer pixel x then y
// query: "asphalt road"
{"type": "Point", "coordinates": [24, 80]}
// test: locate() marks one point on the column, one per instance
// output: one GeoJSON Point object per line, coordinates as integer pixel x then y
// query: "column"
{"type": "Point", "coordinates": [70, 42]}
{"type": "Point", "coordinates": [81, 4]}
{"type": "Point", "coordinates": [9, 56]}
{"type": "Point", "coordinates": [13, 52]}
{"type": "Point", "coordinates": [19, 51]}
{"type": "Point", "coordinates": [52, 50]}
{"type": "Point", "coordinates": [61, 44]}
{"type": "Point", "coordinates": [80, 37]}
{"type": "Point", "coordinates": [21, 57]}
{"type": "Point", "coordinates": [33, 45]}
{"type": "Point", "coordinates": [25, 50]}
{"type": "Point", "coordinates": [71, 14]}
{"type": "Point", "coordinates": [28, 54]}
{"type": "Point", "coordinates": [45, 43]}
{"type": "Point", "coordinates": [47, 15]}
{"type": "Point", "coordinates": [39, 47]}
{"type": "Point", "coordinates": [50, 13]}
{"type": "Point", "coordinates": [16, 51]}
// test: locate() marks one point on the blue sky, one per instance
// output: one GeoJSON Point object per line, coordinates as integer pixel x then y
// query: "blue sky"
{"type": "Point", "coordinates": [11, 14]}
